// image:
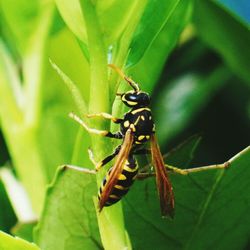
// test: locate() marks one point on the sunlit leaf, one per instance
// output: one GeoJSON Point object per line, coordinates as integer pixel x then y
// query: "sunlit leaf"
{"type": "Point", "coordinates": [8, 242]}
{"type": "Point", "coordinates": [156, 18]}
{"type": "Point", "coordinates": [72, 15]}
{"type": "Point", "coordinates": [58, 101]}
{"type": "Point", "coordinates": [20, 18]}
{"type": "Point", "coordinates": [75, 92]}
{"type": "Point", "coordinates": [69, 218]}
{"type": "Point", "coordinates": [157, 48]}
{"type": "Point", "coordinates": [114, 16]}
{"type": "Point", "coordinates": [120, 11]}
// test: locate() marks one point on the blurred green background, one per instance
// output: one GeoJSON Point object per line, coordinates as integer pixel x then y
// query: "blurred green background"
{"type": "Point", "coordinates": [193, 58]}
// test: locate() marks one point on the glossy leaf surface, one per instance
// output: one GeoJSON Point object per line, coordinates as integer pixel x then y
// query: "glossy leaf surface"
{"type": "Point", "coordinates": [202, 199]}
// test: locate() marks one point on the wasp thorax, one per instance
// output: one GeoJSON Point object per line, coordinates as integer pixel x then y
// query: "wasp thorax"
{"type": "Point", "coordinates": [136, 99]}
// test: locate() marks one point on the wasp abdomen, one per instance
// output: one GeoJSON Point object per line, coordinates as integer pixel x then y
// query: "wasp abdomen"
{"type": "Point", "coordinates": [125, 180]}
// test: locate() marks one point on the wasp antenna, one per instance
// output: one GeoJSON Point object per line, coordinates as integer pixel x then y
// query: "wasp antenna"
{"type": "Point", "coordinates": [118, 70]}
{"type": "Point", "coordinates": [132, 83]}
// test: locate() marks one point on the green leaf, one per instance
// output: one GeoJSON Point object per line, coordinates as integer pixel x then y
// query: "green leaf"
{"type": "Point", "coordinates": [240, 9]}
{"type": "Point", "coordinates": [8, 242]}
{"type": "Point", "coordinates": [69, 220]}
{"type": "Point", "coordinates": [182, 155]}
{"type": "Point", "coordinates": [224, 34]}
{"type": "Point", "coordinates": [75, 92]}
{"type": "Point", "coordinates": [115, 16]}
{"type": "Point", "coordinates": [157, 48]}
{"type": "Point", "coordinates": [156, 18]}
{"type": "Point", "coordinates": [211, 211]}
{"type": "Point", "coordinates": [78, 68]}
{"type": "Point", "coordinates": [24, 230]}
{"type": "Point", "coordinates": [20, 19]}
{"type": "Point", "coordinates": [11, 95]}
{"type": "Point", "coordinates": [69, 216]}
{"type": "Point", "coordinates": [15, 130]}
{"type": "Point", "coordinates": [72, 15]}
{"type": "Point", "coordinates": [58, 101]}
{"type": "Point", "coordinates": [20, 132]}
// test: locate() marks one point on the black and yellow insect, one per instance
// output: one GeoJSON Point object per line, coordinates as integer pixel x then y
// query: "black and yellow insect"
{"type": "Point", "coordinates": [136, 128]}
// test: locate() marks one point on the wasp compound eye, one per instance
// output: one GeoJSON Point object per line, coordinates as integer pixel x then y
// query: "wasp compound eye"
{"type": "Point", "coordinates": [145, 99]}
{"type": "Point", "coordinates": [130, 99]}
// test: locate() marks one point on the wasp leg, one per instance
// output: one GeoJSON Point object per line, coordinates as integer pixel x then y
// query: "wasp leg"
{"type": "Point", "coordinates": [79, 169]}
{"type": "Point", "coordinates": [143, 175]}
{"type": "Point", "coordinates": [132, 83]}
{"type": "Point", "coordinates": [198, 169]}
{"type": "Point", "coordinates": [106, 116]}
{"type": "Point", "coordinates": [100, 164]}
{"type": "Point", "coordinates": [106, 133]}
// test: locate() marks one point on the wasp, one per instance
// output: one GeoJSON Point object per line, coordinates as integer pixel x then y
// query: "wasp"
{"type": "Point", "coordinates": [137, 127]}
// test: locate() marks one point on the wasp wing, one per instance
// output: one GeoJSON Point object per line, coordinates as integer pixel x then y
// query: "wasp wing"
{"type": "Point", "coordinates": [162, 181]}
{"type": "Point", "coordinates": [117, 168]}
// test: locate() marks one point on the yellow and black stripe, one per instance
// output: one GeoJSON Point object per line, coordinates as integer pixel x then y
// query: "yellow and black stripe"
{"type": "Point", "coordinates": [125, 180]}
{"type": "Point", "coordinates": [140, 121]}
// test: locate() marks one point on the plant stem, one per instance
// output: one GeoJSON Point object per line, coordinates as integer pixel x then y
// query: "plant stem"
{"type": "Point", "coordinates": [99, 91]}
{"type": "Point", "coordinates": [99, 102]}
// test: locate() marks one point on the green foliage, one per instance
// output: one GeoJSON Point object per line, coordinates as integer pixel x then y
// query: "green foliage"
{"type": "Point", "coordinates": [211, 210]}
{"type": "Point", "coordinates": [151, 26]}
{"type": "Point", "coordinates": [8, 242]}
{"type": "Point", "coordinates": [7, 216]}
{"type": "Point", "coordinates": [161, 44]}
{"type": "Point", "coordinates": [212, 23]}
{"type": "Point", "coordinates": [54, 60]}
{"type": "Point", "coordinates": [69, 198]}
{"type": "Point", "coordinates": [24, 231]}
{"type": "Point", "coordinates": [194, 91]}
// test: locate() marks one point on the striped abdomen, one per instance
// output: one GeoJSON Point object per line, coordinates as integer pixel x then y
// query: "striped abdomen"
{"type": "Point", "coordinates": [125, 180]}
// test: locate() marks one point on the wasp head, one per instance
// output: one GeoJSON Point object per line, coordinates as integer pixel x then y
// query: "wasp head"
{"type": "Point", "coordinates": [136, 99]}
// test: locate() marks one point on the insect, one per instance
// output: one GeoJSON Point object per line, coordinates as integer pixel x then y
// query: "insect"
{"type": "Point", "coordinates": [136, 128]}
